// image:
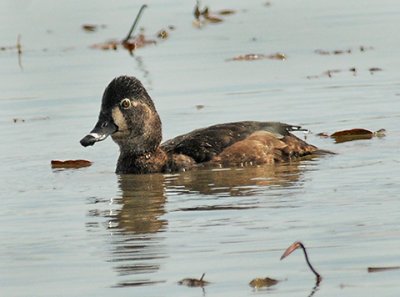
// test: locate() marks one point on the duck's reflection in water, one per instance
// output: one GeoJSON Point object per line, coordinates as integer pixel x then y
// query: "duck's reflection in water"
{"type": "Point", "coordinates": [137, 224]}
{"type": "Point", "coordinates": [242, 181]}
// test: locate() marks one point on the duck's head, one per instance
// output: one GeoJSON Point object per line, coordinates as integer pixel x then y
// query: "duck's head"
{"type": "Point", "coordinates": [127, 114]}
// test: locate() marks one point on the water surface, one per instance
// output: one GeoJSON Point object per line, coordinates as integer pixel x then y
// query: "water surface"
{"type": "Point", "coordinates": [90, 232]}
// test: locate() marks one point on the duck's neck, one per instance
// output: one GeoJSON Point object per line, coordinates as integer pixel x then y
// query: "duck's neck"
{"type": "Point", "coordinates": [139, 163]}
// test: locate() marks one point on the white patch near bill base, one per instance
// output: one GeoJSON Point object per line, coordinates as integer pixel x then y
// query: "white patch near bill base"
{"type": "Point", "coordinates": [98, 136]}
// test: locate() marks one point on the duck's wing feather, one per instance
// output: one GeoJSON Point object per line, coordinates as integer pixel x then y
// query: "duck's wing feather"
{"type": "Point", "coordinates": [204, 144]}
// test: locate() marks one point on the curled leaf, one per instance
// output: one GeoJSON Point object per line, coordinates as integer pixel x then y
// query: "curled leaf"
{"type": "Point", "coordinates": [356, 134]}
{"type": "Point", "coordinates": [70, 164]}
{"type": "Point", "coordinates": [263, 282]}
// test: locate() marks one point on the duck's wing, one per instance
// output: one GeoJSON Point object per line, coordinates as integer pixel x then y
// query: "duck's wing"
{"type": "Point", "coordinates": [204, 144]}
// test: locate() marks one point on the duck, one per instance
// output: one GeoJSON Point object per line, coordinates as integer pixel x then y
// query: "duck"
{"type": "Point", "coordinates": [129, 116]}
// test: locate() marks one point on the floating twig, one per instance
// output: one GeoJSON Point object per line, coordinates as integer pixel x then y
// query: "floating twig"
{"type": "Point", "coordinates": [134, 23]}
{"type": "Point", "coordinates": [294, 247]}
{"type": "Point", "coordinates": [19, 51]}
{"type": "Point", "coordinates": [380, 269]}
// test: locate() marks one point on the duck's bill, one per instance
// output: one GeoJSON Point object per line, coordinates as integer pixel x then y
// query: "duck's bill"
{"type": "Point", "coordinates": [101, 131]}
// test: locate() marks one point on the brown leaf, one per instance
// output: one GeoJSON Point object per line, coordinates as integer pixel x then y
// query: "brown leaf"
{"type": "Point", "coordinates": [212, 19]}
{"type": "Point", "coordinates": [263, 282]}
{"type": "Point", "coordinates": [108, 45]}
{"type": "Point", "coordinates": [226, 12]}
{"type": "Point", "coordinates": [352, 134]}
{"type": "Point", "coordinates": [70, 164]}
{"type": "Point", "coordinates": [129, 45]}
{"type": "Point", "coordinates": [89, 28]}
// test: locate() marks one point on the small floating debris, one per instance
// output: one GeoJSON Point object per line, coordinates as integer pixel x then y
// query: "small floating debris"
{"type": "Point", "coordinates": [254, 57]}
{"type": "Point", "coordinates": [353, 70]}
{"type": "Point", "coordinates": [22, 120]}
{"type": "Point", "coordinates": [372, 70]}
{"type": "Point", "coordinates": [356, 134]}
{"type": "Point", "coordinates": [72, 164]}
{"type": "Point", "coordinates": [131, 42]}
{"type": "Point", "coordinates": [380, 269]}
{"type": "Point", "coordinates": [334, 52]}
{"type": "Point", "coordinates": [361, 48]}
{"type": "Point", "coordinates": [199, 106]}
{"type": "Point", "coordinates": [294, 247]}
{"type": "Point", "coordinates": [92, 27]}
{"type": "Point", "coordinates": [193, 282]}
{"type": "Point", "coordinates": [263, 282]}
{"type": "Point", "coordinates": [204, 16]}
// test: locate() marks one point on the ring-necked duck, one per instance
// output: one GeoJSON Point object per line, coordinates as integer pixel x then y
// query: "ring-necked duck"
{"type": "Point", "coordinates": [128, 114]}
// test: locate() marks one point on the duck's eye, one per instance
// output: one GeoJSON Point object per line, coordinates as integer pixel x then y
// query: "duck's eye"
{"type": "Point", "coordinates": [125, 103]}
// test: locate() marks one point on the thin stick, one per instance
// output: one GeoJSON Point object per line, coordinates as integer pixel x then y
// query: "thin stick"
{"type": "Point", "coordinates": [19, 51]}
{"type": "Point", "coordinates": [295, 246]}
{"type": "Point", "coordinates": [135, 23]}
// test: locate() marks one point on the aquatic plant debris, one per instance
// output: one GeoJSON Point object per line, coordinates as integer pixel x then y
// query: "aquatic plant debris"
{"type": "Point", "coordinates": [92, 27]}
{"type": "Point", "coordinates": [353, 70]}
{"type": "Point", "coordinates": [361, 48]}
{"type": "Point", "coordinates": [356, 134]}
{"type": "Point", "coordinates": [193, 282]}
{"type": "Point", "coordinates": [254, 57]}
{"type": "Point", "coordinates": [263, 282]}
{"type": "Point", "coordinates": [204, 16]}
{"type": "Point", "coordinates": [295, 246]}
{"type": "Point", "coordinates": [381, 269]}
{"type": "Point", "coordinates": [131, 42]}
{"type": "Point", "coordinates": [72, 164]}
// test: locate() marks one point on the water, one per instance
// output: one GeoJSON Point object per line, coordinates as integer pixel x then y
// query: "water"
{"type": "Point", "coordinates": [89, 232]}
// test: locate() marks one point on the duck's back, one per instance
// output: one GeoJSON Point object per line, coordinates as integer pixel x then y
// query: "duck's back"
{"type": "Point", "coordinates": [239, 143]}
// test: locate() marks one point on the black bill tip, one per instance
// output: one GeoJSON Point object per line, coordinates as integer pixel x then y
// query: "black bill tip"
{"type": "Point", "coordinates": [88, 140]}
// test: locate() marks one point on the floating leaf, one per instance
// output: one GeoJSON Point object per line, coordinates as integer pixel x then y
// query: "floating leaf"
{"type": "Point", "coordinates": [193, 282]}
{"type": "Point", "coordinates": [380, 269]}
{"type": "Point", "coordinates": [226, 12]}
{"type": "Point", "coordinates": [213, 19]}
{"type": "Point", "coordinates": [70, 163]}
{"type": "Point", "coordinates": [129, 45]}
{"type": "Point", "coordinates": [89, 28]}
{"type": "Point", "coordinates": [263, 282]}
{"type": "Point", "coordinates": [352, 134]}
{"type": "Point", "coordinates": [108, 45]}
